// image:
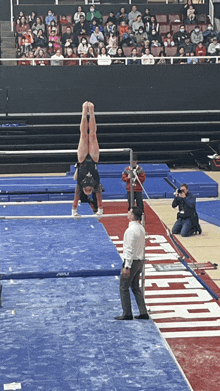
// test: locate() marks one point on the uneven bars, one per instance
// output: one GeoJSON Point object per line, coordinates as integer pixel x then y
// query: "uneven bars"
{"type": "Point", "coordinates": [94, 216]}
{"type": "Point", "coordinates": [59, 151]}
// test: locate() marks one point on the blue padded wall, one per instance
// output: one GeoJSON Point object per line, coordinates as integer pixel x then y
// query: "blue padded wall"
{"type": "Point", "coordinates": [200, 184]}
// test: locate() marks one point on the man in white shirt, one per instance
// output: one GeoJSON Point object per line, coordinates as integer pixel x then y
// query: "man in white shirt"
{"type": "Point", "coordinates": [133, 255]}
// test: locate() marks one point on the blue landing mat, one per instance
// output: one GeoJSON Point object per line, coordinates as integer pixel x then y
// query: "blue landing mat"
{"type": "Point", "coordinates": [59, 335]}
{"type": "Point", "coordinates": [115, 188]}
{"type": "Point", "coordinates": [209, 211]}
{"type": "Point", "coordinates": [157, 188]}
{"type": "Point", "coordinates": [200, 184]}
{"type": "Point", "coordinates": [36, 188]}
{"type": "Point", "coordinates": [54, 245]}
{"type": "Point", "coordinates": [37, 184]}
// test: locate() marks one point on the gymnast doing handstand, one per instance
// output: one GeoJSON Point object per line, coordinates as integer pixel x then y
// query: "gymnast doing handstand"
{"type": "Point", "coordinates": [86, 174]}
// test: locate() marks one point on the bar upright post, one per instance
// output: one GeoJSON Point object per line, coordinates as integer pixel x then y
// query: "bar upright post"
{"type": "Point", "coordinates": [131, 179]}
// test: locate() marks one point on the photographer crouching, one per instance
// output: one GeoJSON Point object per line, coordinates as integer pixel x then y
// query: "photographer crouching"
{"type": "Point", "coordinates": [187, 222]}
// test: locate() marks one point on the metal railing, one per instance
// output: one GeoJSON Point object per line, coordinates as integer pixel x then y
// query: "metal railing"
{"type": "Point", "coordinates": [82, 61]}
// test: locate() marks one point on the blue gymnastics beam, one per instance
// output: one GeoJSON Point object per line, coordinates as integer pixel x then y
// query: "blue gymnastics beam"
{"type": "Point", "coordinates": [213, 294]}
{"type": "Point", "coordinates": [60, 274]}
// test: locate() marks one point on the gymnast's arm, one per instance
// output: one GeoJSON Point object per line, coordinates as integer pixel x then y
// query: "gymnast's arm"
{"type": "Point", "coordinates": [76, 198]}
{"type": "Point", "coordinates": [75, 176]}
{"type": "Point", "coordinates": [99, 200]}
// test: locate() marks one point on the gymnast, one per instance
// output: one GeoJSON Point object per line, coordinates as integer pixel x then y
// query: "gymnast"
{"type": "Point", "coordinates": [86, 174]}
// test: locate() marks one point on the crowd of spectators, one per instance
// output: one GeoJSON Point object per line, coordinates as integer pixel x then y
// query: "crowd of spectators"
{"type": "Point", "coordinates": [109, 39]}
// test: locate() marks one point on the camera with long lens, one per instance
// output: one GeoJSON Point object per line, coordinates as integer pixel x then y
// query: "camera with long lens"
{"type": "Point", "coordinates": [179, 191]}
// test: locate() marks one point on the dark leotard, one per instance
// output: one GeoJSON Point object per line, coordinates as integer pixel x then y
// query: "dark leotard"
{"type": "Point", "coordinates": [88, 174]}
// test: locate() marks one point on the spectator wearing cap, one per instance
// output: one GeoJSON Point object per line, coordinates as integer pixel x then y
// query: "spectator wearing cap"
{"type": "Point", "coordinates": [50, 16]}
{"type": "Point", "coordinates": [188, 46]}
{"type": "Point", "coordinates": [196, 36]}
{"type": "Point", "coordinates": [214, 48]}
{"type": "Point", "coordinates": [133, 14]}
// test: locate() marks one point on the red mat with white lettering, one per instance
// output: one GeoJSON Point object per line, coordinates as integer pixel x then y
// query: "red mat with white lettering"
{"type": "Point", "coordinates": [186, 314]}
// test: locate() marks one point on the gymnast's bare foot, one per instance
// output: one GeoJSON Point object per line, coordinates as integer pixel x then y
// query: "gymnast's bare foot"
{"type": "Point", "coordinates": [85, 108]}
{"type": "Point", "coordinates": [90, 108]}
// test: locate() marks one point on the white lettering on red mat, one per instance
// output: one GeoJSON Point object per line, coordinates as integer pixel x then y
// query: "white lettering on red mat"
{"type": "Point", "coordinates": [177, 287]}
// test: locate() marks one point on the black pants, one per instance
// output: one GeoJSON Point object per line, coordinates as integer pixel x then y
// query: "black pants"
{"type": "Point", "coordinates": [138, 197]}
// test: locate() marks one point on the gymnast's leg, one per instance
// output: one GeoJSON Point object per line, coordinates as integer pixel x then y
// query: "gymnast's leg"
{"type": "Point", "coordinates": [83, 147]}
{"type": "Point", "coordinates": [83, 150]}
{"type": "Point", "coordinates": [93, 142]}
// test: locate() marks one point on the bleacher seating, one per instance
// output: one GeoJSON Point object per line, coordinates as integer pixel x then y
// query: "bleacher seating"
{"type": "Point", "coordinates": [168, 22]}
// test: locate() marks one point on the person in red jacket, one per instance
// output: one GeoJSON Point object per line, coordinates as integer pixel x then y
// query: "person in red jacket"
{"type": "Point", "coordinates": [139, 173]}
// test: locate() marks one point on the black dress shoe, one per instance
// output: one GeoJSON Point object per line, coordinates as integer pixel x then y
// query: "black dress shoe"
{"type": "Point", "coordinates": [124, 317]}
{"type": "Point", "coordinates": [144, 316]}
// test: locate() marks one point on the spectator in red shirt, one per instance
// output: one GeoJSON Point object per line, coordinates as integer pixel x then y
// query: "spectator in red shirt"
{"type": "Point", "coordinates": [29, 37]}
{"type": "Point", "coordinates": [63, 21]}
{"type": "Point", "coordinates": [70, 55]}
{"type": "Point", "coordinates": [201, 51]}
{"type": "Point", "coordinates": [40, 58]}
{"type": "Point", "coordinates": [24, 25]}
{"type": "Point", "coordinates": [168, 40]}
{"type": "Point", "coordinates": [23, 61]}
{"type": "Point", "coordinates": [123, 28]}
